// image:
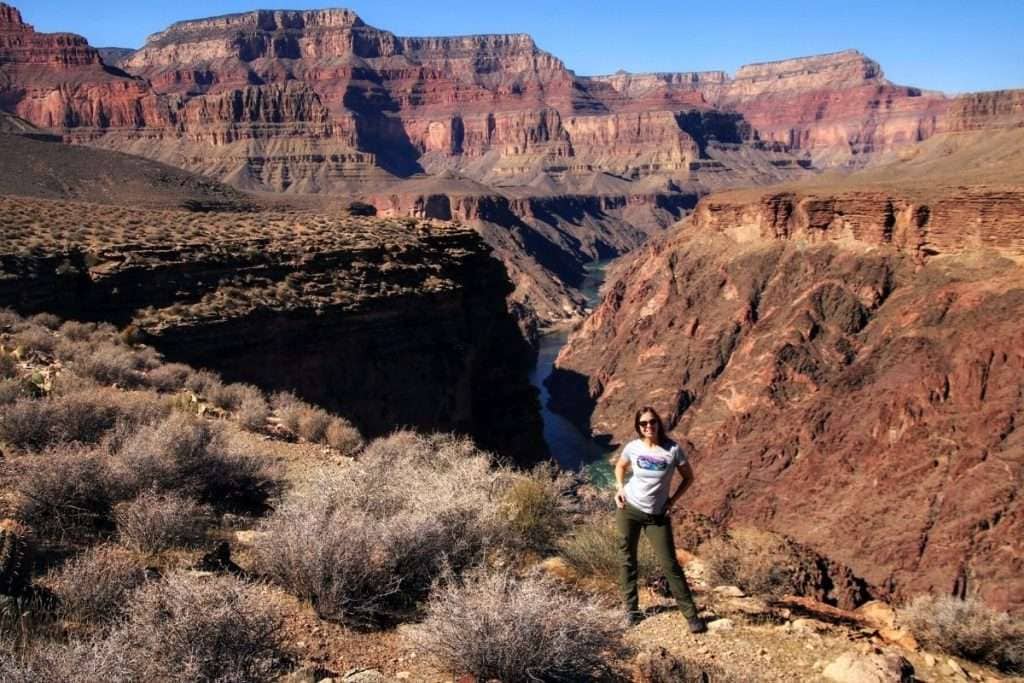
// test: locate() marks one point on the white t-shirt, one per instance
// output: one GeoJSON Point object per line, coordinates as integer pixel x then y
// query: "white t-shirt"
{"type": "Point", "coordinates": [648, 487]}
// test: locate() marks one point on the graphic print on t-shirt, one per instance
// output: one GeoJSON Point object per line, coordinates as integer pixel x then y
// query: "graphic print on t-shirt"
{"type": "Point", "coordinates": [646, 462]}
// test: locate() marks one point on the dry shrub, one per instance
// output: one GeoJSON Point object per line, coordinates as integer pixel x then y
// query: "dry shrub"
{"type": "Point", "coordinates": [169, 377]}
{"type": "Point", "coordinates": [593, 552]}
{"type": "Point", "coordinates": [153, 522]}
{"type": "Point", "coordinates": [65, 493]}
{"type": "Point", "coordinates": [202, 382]}
{"type": "Point", "coordinates": [75, 662]}
{"type": "Point", "coordinates": [35, 339]}
{"type": "Point", "coordinates": [968, 629]}
{"type": "Point", "coordinates": [187, 627]}
{"type": "Point", "coordinates": [47, 320]}
{"type": "Point", "coordinates": [498, 627]}
{"type": "Point", "coordinates": [536, 508]}
{"type": "Point", "coordinates": [80, 416]}
{"type": "Point", "coordinates": [343, 436]}
{"type": "Point", "coordinates": [252, 414]}
{"type": "Point", "coordinates": [193, 458]}
{"type": "Point", "coordinates": [8, 318]}
{"type": "Point", "coordinates": [111, 364]}
{"type": "Point", "coordinates": [8, 366]}
{"type": "Point", "coordinates": [313, 425]}
{"type": "Point", "coordinates": [94, 586]}
{"type": "Point", "coordinates": [71, 418]}
{"type": "Point", "coordinates": [231, 396]}
{"type": "Point", "coordinates": [365, 547]}
{"type": "Point", "coordinates": [77, 331]}
{"type": "Point", "coordinates": [759, 562]}
{"type": "Point", "coordinates": [11, 390]}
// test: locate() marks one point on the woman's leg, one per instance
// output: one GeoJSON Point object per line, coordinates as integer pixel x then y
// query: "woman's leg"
{"type": "Point", "coordinates": [659, 533]}
{"type": "Point", "coordinates": [628, 525]}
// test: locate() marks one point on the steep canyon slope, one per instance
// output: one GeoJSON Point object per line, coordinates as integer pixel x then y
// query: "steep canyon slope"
{"type": "Point", "coordinates": [846, 357]}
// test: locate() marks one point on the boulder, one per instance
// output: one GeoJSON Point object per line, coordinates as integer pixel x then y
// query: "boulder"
{"type": "Point", "coordinates": [869, 668]}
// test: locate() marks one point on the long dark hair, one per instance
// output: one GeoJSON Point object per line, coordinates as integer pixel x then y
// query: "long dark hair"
{"type": "Point", "coordinates": [657, 420]}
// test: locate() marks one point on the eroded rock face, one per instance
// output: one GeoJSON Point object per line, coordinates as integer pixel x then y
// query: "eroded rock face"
{"type": "Point", "coordinates": [848, 365]}
{"type": "Point", "coordinates": [389, 323]}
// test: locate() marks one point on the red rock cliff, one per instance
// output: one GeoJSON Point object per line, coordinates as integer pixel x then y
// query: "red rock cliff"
{"type": "Point", "coordinates": [847, 361]}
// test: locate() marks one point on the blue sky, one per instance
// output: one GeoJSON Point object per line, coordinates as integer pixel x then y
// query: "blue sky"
{"type": "Point", "coordinates": [950, 45]}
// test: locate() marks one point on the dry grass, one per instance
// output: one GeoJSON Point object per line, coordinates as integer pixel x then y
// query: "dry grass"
{"type": "Point", "coordinates": [592, 550]}
{"type": "Point", "coordinates": [517, 630]}
{"type": "Point", "coordinates": [968, 629]}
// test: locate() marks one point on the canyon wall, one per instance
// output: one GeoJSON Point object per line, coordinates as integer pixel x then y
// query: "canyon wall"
{"type": "Point", "coordinates": [388, 323]}
{"type": "Point", "coordinates": [846, 361]}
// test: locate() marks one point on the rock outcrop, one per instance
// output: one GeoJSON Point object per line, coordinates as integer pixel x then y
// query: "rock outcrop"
{"type": "Point", "coordinates": [846, 360]}
{"type": "Point", "coordinates": [389, 322]}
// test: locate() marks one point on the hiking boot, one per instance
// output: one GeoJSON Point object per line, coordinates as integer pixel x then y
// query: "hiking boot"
{"type": "Point", "coordinates": [696, 625]}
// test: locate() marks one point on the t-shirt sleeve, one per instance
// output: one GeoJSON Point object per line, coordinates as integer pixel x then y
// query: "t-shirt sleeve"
{"type": "Point", "coordinates": [680, 456]}
{"type": "Point", "coordinates": [624, 454]}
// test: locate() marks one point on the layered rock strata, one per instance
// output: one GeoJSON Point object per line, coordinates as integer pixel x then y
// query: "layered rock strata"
{"type": "Point", "coordinates": [389, 323]}
{"type": "Point", "coordinates": [847, 364]}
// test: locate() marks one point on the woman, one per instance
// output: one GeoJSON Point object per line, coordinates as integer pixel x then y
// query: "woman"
{"type": "Point", "coordinates": [644, 503]}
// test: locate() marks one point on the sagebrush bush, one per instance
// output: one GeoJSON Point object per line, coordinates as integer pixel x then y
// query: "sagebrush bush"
{"type": "Point", "coordinates": [365, 547]}
{"type": "Point", "coordinates": [967, 628]}
{"type": "Point", "coordinates": [313, 424]}
{"type": "Point", "coordinates": [94, 586]}
{"type": "Point", "coordinates": [35, 339]}
{"type": "Point", "coordinates": [592, 550]}
{"type": "Point", "coordinates": [202, 382]}
{"type": "Point", "coordinates": [759, 562]}
{"type": "Point", "coordinates": [79, 416]}
{"type": "Point", "coordinates": [154, 521]}
{"type": "Point", "coordinates": [343, 436]}
{"type": "Point", "coordinates": [169, 377]}
{"type": "Point", "coordinates": [536, 508]}
{"type": "Point", "coordinates": [74, 662]}
{"type": "Point", "coordinates": [65, 493]}
{"type": "Point", "coordinates": [253, 412]}
{"type": "Point", "coordinates": [47, 320]}
{"type": "Point", "coordinates": [200, 628]}
{"type": "Point", "coordinates": [193, 458]}
{"type": "Point", "coordinates": [499, 627]}
{"type": "Point", "coordinates": [110, 363]}
{"type": "Point", "coordinates": [77, 331]}
{"type": "Point", "coordinates": [231, 396]}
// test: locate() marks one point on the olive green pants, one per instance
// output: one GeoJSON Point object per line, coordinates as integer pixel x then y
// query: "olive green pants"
{"type": "Point", "coordinates": [658, 529]}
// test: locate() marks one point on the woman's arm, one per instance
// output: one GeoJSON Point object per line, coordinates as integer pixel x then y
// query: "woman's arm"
{"type": "Point", "coordinates": [686, 478]}
{"type": "Point", "coordinates": [621, 467]}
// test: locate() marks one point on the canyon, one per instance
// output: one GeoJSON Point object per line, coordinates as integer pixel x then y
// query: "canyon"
{"type": "Point", "coordinates": [821, 288]}
{"type": "Point", "coordinates": [554, 169]}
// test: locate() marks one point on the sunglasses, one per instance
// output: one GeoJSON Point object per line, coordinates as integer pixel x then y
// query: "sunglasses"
{"type": "Point", "coordinates": [647, 423]}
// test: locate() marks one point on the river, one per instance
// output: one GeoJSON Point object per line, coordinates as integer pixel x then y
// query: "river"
{"type": "Point", "coordinates": [571, 448]}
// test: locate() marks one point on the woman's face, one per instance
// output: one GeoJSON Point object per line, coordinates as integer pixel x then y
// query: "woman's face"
{"type": "Point", "coordinates": [649, 425]}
